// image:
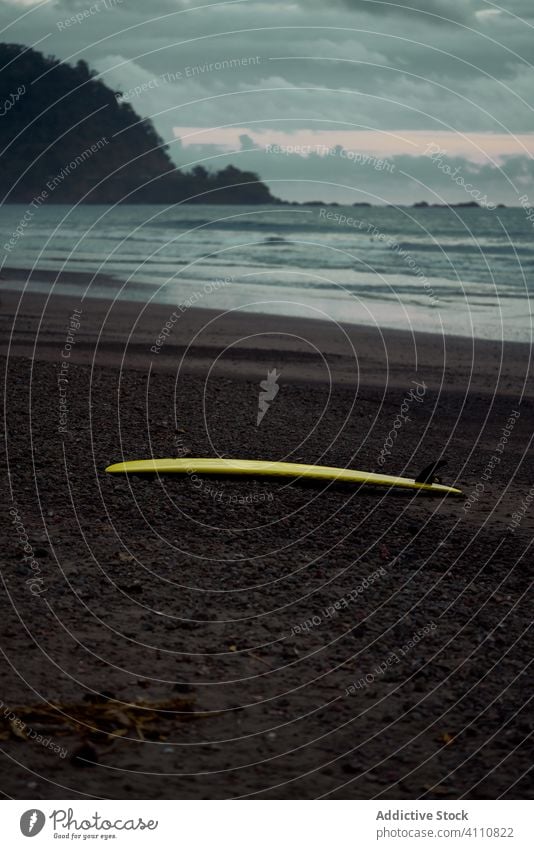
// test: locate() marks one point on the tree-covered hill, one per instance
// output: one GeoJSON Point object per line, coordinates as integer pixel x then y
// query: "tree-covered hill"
{"type": "Point", "coordinates": [65, 138]}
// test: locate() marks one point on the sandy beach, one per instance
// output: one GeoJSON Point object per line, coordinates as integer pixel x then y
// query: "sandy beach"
{"type": "Point", "coordinates": [179, 638]}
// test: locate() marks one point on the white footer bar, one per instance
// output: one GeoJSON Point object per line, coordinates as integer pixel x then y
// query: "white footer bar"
{"type": "Point", "coordinates": [256, 824]}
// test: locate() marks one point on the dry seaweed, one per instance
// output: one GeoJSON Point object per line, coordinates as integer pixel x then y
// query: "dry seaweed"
{"type": "Point", "coordinates": [107, 717]}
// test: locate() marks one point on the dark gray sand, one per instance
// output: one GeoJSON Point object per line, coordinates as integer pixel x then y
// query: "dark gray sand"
{"type": "Point", "coordinates": [179, 637]}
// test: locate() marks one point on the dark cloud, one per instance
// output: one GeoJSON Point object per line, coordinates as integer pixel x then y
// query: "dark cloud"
{"type": "Point", "coordinates": [437, 11]}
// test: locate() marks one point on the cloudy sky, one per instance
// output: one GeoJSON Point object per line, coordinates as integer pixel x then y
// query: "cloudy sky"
{"type": "Point", "coordinates": [350, 100]}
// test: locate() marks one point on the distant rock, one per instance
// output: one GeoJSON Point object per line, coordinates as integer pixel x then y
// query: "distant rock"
{"type": "Point", "coordinates": [469, 204]}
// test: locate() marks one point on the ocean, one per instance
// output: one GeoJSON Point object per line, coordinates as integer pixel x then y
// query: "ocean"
{"type": "Point", "coordinates": [463, 271]}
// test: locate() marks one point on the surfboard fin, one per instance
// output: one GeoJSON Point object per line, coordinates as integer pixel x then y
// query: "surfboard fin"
{"type": "Point", "coordinates": [428, 474]}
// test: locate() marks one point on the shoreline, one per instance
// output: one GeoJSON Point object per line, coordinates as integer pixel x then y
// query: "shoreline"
{"type": "Point", "coordinates": [429, 316]}
{"type": "Point", "coordinates": [126, 333]}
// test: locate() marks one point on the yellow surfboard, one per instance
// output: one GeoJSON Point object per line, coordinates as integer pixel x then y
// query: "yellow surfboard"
{"type": "Point", "coordinates": [225, 466]}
